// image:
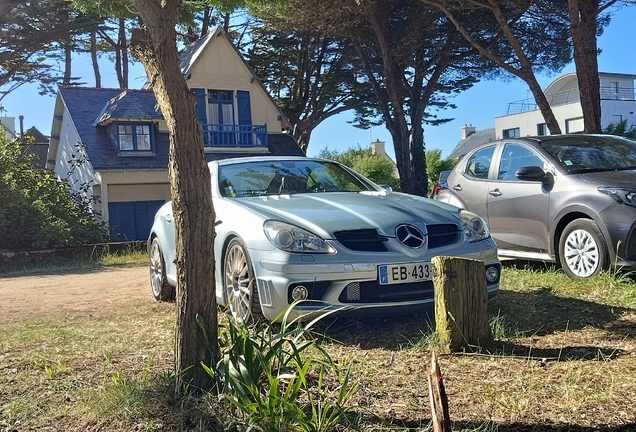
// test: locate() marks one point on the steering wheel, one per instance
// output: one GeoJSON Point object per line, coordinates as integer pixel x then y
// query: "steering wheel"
{"type": "Point", "coordinates": [316, 187]}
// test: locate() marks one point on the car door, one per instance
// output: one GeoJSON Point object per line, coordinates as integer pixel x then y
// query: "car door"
{"type": "Point", "coordinates": [518, 210]}
{"type": "Point", "coordinates": [471, 184]}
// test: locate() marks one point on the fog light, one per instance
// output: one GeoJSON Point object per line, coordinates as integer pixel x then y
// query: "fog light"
{"type": "Point", "coordinates": [300, 293]}
{"type": "Point", "coordinates": [492, 274]}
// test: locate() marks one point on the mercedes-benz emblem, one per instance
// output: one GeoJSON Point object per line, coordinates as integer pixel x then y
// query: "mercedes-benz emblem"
{"type": "Point", "coordinates": [410, 236]}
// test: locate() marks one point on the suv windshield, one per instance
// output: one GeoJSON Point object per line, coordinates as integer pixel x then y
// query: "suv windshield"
{"type": "Point", "coordinates": [287, 177]}
{"type": "Point", "coordinates": [578, 154]}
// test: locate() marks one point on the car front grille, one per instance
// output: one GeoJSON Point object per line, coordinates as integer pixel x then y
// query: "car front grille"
{"type": "Point", "coordinates": [368, 240]}
{"type": "Point", "coordinates": [373, 292]}
{"type": "Point", "coordinates": [443, 235]}
{"type": "Point", "coordinates": [365, 240]}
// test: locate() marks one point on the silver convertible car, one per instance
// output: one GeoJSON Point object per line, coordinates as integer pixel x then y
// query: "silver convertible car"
{"type": "Point", "coordinates": [315, 234]}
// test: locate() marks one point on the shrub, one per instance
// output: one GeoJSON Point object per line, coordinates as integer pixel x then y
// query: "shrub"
{"type": "Point", "coordinates": [37, 210]}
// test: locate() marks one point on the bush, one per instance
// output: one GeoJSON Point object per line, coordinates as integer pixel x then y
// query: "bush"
{"type": "Point", "coordinates": [37, 210]}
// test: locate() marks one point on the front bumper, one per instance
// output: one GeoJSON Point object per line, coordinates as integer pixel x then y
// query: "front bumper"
{"type": "Point", "coordinates": [618, 223]}
{"type": "Point", "coordinates": [346, 284]}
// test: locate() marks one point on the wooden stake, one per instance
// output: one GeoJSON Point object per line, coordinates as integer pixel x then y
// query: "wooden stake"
{"type": "Point", "coordinates": [439, 402]}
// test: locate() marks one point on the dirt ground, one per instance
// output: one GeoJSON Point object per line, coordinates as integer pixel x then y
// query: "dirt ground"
{"type": "Point", "coordinates": [83, 291]}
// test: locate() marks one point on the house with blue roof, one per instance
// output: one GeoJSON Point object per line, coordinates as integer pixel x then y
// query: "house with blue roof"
{"type": "Point", "coordinates": [113, 144]}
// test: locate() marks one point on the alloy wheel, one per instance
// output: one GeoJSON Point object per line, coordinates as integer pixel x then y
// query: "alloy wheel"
{"type": "Point", "coordinates": [239, 283]}
{"type": "Point", "coordinates": [156, 270]}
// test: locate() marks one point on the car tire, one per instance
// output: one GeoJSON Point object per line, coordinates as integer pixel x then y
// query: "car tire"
{"type": "Point", "coordinates": [239, 284]}
{"type": "Point", "coordinates": [161, 289]}
{"type": "Point", "coordinates": [582, 249]}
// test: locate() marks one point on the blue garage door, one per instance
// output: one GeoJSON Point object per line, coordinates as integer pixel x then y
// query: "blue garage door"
{"type": "Point", "coordinates": [132, 220]}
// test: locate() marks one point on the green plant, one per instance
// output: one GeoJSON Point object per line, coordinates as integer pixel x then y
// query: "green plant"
{"type": "Point", "coordinates": [54, 369]}
{"type": "Point", "coordinates": [39, 210]}
{"type": "Point", "coordinates": [501, 327]}
{"type": "Point", "coordinates": [267, 377]}
{"type": "Point", "coordinates": [435, 165]}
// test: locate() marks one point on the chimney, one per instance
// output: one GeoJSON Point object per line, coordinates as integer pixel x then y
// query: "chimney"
{"type": "Point", "coordinates": [468, 131]}
{"type": "Point", "coordinates": [21, 127]}
{"type": "Point", "coordinates": [377, 148]}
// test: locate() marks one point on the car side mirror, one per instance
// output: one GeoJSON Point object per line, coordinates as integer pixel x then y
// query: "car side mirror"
{"type": "Point", "coordinates": [531, 173]}
{"type": "Point", "coordinates": [386, 187]}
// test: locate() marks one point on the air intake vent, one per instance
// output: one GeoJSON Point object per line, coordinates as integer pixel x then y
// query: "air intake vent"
{"type": "Point", "coordinates": [364, 240]}
{"type": "Point", "coordinates": [373, 292]}
{"type": "Point", "coordinates": [443, 235]}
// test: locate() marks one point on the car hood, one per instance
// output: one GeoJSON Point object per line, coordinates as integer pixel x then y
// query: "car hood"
{"type": "Point", "coordinates": [626, 179]}
{"type": "Point", "coordinates": [324, 213]}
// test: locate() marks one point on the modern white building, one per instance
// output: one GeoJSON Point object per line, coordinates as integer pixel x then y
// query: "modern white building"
{"type": "Point", "coordinates": [524, 118]}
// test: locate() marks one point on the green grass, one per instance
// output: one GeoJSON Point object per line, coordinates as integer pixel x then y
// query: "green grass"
{"type": "Point", "coordinates": [562, 360]}
{"type": "Point", "coordinates": [125, 257]}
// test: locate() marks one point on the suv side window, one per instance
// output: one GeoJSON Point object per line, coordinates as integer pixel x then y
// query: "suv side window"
{"type": "Point", "coordinates": [515, 156]}
{"type": "Point", "coordinates": [479, 163]}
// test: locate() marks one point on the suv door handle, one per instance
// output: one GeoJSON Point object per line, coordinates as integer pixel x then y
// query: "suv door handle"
{"type": "Point", "coordinates": [457, 188]}
{"type": "Point", "coordinates": [495, 193]}
{"type": "Point", "coordinates": [168, 218]}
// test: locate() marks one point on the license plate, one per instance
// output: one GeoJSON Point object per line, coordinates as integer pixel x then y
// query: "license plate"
{"type": "Point", "coordinates": [405, 273]}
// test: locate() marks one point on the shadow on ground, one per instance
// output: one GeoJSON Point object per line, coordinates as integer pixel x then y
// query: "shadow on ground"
{"type": "Point", "coordinates": [536, 313]}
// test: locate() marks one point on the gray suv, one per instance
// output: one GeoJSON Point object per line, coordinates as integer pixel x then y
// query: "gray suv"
{"type": "Point", "coordinates": [560, 198]}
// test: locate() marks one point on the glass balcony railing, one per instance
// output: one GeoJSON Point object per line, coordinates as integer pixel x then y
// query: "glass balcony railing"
{"type": "Point", "coordinates": [570, 96]}
{"type": "Point", "coordinates": [234, 136]}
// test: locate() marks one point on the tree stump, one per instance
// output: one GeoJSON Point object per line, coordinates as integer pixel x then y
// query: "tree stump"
{"type": "Point", "coordinates": [461, 303]}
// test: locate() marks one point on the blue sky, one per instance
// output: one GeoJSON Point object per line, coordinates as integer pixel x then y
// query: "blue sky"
{"type": "Point", "coordinates": [477, 106]}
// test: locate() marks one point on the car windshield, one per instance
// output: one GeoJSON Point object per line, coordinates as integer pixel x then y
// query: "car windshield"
{"type": "Point", "coordinates": [579, 154]}
{"type": "Point", "coordinates": [287, 177]}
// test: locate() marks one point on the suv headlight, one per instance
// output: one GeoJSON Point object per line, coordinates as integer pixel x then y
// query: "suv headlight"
{"type": "Point", "coordinates": [621, 196]}
{"type": "Point", "coordinates": [474, 226]}
{"type": "Point", "coordinates": [291, 238]}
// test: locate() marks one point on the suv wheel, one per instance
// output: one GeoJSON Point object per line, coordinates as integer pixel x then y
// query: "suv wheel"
{"type": "Point", "coordinates": [582, 250]}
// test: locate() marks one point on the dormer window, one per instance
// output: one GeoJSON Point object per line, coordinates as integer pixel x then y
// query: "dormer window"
{"type": "Point", "coordinates": [135, 136]}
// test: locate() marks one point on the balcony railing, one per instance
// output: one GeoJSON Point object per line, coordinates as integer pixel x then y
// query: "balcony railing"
{"type": "Point", "coordinates": [570, 96]}
{"type": "Point", "coordinates": [234, 136]}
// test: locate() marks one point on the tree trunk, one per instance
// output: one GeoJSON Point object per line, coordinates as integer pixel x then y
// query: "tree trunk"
{"type": "Point", "coordinates": [393, 111]}
{"type": "Point", "coordinates": [226, 22]}
{"type": "Point", "coordinates": [98, 77]}
{"type": "Point", "coordinates": [542, 102]}
{"type": "Point", "coordinates": [302, 138]}
{"type": "Point", "coordinates": [66, 80]}
{"type": "Point", "coordinates": [583, 23]}
{"type": "Point", "coordinates": [155, 47]}
{"type": "Point", "coordinates": [122, 47]}
{"type": "Point", "coordinates": [205, 22]}
{"type": "Point", "coordinates": [461, 303]}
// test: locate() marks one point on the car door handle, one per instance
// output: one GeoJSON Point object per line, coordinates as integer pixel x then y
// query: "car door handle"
{"type": "Point", "coordinates": [495, 193]}
{"type": "Point", "coordinates": [457, 188]}
{"type": "Point", "coordinates": [168, 218]}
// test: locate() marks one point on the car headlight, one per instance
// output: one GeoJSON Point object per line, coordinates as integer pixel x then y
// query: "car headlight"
{"type": "Point", "coordinates": [474, 227]}
{"type": "Point", "coordinates": [291, 238]}
{"type": "Point", "coordinates": [621, 196]}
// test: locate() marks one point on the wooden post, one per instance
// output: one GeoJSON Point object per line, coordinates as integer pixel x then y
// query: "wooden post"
{"type": "Point", "coordinates": [440, 416]}
{"type": "Point", "coordinates": [461, 303]}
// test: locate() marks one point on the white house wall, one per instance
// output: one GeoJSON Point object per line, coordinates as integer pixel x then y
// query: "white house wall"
{"type": "Point", "coordinates": [220, 68]}
{"type": "Point", "coordinates": [613, 111]}
{"type": "Point", "coordinates": [527, 122]}
{"type": "Point", "coordinates": [67, 153]}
